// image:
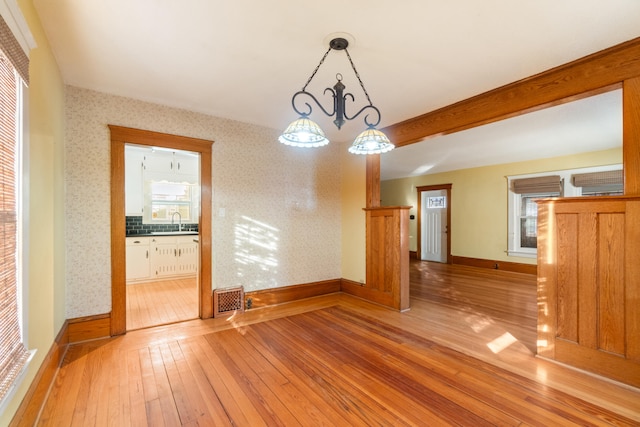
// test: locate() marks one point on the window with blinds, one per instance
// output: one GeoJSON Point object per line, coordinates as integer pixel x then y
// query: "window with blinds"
{"type": "Point", "coordinates": [603, 183]}
{"type": "Point", "coordinates": [525, 190]}
{"type": "Point", "coordinates": [13, 354]}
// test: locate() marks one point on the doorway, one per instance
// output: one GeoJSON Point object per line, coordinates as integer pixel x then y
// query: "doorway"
{"type": "Point", "coordinates": [433, 227]}
{"type": "Point", "coordinates": [120, 136]}
{"type": "Point", "coordinates": [162, 193]}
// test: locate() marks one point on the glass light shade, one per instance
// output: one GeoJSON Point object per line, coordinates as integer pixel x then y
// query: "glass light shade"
{"type": "Point", "coordinates": [371, 141]}
{"type": "Point", "coordinates": [303, 133]}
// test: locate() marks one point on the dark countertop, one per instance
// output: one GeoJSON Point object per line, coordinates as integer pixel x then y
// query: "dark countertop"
{"type": "Point", "coordinates": [165, 233]}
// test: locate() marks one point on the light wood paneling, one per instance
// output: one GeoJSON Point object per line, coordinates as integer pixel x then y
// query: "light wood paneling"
{"type": "Point", "coordinates": [387, 280]}
{"type": "Point", "coordinates": [588, 289]}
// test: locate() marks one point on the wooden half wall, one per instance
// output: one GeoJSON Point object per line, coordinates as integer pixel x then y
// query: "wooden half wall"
{"type": "Point", "coordinates": [589, 284]}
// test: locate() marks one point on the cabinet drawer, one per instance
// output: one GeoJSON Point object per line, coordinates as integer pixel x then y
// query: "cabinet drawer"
{"type": "Point", "coordinates": [138, 241]}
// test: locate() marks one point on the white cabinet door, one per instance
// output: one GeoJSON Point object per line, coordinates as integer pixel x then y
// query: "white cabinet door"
{"type": "Point", "coordinates": [187, 167]}
{"type": "Point", "coordinates": [159, 162]}
{"type": "Point", "coordinates": [137, 259]}
{"type": "Point", "coordinates": [164, 254]}
{"type": "Point", "coordinates": [187, 255]}
{"type": "Point", "coordinates": [133, 166]}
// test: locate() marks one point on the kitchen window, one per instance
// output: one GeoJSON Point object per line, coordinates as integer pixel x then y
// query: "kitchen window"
{"type": "Point", "coordinates": [163, 199]}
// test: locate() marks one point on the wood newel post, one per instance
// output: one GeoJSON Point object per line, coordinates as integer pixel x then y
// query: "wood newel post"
{"type": "Point", "coordinates": [631, 135]}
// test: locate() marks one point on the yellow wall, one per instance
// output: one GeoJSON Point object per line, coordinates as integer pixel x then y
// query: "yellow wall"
{"type": "Point", "coordinates": [353, 217]}
{"type": "Point", "coordinates": [479, 201]}
{"type": "Point", "coordinates": [46, 281]}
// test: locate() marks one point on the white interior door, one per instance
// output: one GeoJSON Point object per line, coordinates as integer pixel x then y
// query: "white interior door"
{"type": "Point", "coordinates": [434, 227]}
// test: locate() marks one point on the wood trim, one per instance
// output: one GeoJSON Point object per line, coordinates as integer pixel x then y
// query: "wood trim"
{"type": "Point", "coordinates": [595, 73]}
{"type": "Point", "coordinates": [496, 265]}
{"type": "Point", "coordinates": [34, 399]}
{"type": "Point", "coordinates": [611, 365]}
{"type": "Point", "coordinates": [413, 255]}
{"type": "Point", "coordinates": [89, 328]}
{"type": "Point", "coordinates": [266, 297]}
{"type": "Point", "coordinates": [373, 181]}
{"type": "Point", "coordinates": [119, 137]}
{"type": "Point", "coordinates": [419, 190]}
{"type": "Point", "coordinates": [631, 136]}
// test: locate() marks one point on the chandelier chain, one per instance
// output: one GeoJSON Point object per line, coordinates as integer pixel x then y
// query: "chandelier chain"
{"type": "Point", "coordinates": [358, 76]}
{"type": "Point", "coordinates": [304, 88]}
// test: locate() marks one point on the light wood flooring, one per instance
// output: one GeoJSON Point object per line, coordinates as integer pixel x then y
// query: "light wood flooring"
{"type": "Point", "coordinates": [161, 302]}
{"type": "Point", "coordinates": [458, 357]}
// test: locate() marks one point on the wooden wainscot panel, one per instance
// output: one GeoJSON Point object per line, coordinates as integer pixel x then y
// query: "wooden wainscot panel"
{"type": "Point", "coordinates": [589, 284]}
{"type": "Point", "coordinates": [387, 283]}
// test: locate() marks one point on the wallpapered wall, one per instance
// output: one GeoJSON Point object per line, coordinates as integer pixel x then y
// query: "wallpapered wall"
{"type": "Point", "coordinates": [276, 209]}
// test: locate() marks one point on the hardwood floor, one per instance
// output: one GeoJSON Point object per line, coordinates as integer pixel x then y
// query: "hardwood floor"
{"type": "Point", "coordinates": [500, 299]}
{"type": "Point", "coordinates": [339, 360]}
{"type": "Point", "coordinates": [161, 302]}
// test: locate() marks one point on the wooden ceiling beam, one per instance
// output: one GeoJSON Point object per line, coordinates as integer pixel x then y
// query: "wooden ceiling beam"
{"type": "Point", "coordinates": [593, 74]}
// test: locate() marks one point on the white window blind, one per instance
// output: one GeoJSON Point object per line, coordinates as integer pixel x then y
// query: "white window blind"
{"type": "Point", "coordinates": [13, 354]}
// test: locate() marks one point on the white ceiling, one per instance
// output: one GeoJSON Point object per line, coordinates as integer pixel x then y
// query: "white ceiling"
{"type": "Point", "coordinates": [244, 59]}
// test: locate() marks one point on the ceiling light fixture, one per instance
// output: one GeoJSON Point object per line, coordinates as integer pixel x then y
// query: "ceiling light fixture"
{"type": "Point", "coordinates": [304, 132]}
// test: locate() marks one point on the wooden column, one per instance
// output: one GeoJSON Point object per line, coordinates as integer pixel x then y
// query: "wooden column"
{"type": "Point", "coordinates": [373, 180]}
{"type": "Point", "coordinates": [631, 135]}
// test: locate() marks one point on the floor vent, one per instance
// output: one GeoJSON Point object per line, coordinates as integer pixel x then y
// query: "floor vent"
{"type": "Point", "coordinates": [229, 300]}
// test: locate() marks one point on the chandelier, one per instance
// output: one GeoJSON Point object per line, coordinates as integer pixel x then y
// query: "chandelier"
{"type": "Point", "coordinates": [304, 132]}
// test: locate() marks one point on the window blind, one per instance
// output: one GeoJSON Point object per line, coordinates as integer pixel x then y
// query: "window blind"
{"type": "Point", "coordinates": [13, 51]}
{"type": "Point", "coordinates": [536, 185]}
{"type": "Point", "coordinates": [597, 179]}
{"type": "Point", "coordinates": [13, 354]}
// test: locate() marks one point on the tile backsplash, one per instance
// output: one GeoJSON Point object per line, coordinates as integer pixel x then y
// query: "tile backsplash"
{"type": "Point", "coordinates": [135, 227]}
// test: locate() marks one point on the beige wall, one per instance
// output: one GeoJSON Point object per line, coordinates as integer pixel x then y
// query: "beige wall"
{"type": "Point", "coordinates": [353, 217]}
{"type": "Point", "coordinates": [282, 205]}
{"type": "Point", "coordinates": [479, 201]}
{"type": "Point", "coordinates": [45, 260]}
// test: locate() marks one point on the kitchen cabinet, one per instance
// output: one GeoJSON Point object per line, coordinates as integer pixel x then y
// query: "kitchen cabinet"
{"type": "Point", "coordinates": [172, 166]}
{"type": "Point", "coordinates": [133, 173]}
{"type": "Point", "coordinates": [174, 256]}
{"type": "Point", "coordinates": [164, 253]}
{"type": "Point", "coordinates": [160, 257]}
{"type": "Point", "coordinates": [187, 262]}
{"type": "Point", "coordinates": [138, 259]}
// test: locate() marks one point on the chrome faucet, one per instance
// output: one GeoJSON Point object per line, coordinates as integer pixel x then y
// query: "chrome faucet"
{"type": "Point", "coordinates": [179, 220]}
